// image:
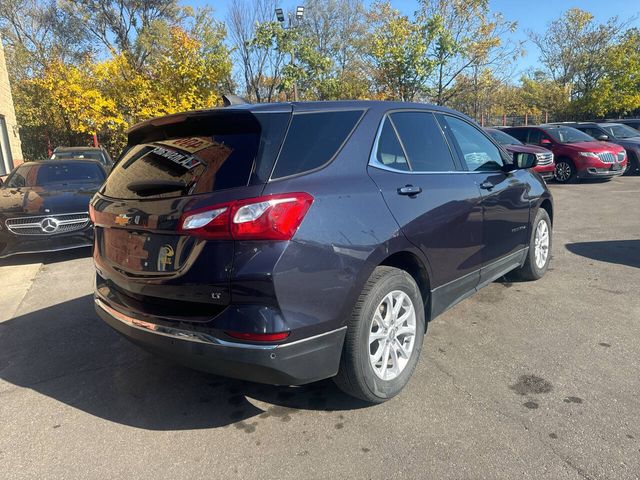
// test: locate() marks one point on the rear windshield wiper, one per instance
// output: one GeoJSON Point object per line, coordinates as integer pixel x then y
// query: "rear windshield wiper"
{"type": "Point", "coordinates": [155, 187]}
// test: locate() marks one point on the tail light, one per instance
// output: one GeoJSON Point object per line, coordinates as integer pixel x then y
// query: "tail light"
{"type": "Point", "coordinates": [259, 337]}
{"type": "Point", "coordinates": [271, 217]}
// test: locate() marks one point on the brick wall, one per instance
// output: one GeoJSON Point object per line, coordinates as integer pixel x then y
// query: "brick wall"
{"type": "Point", "coordinates": [7, 111]}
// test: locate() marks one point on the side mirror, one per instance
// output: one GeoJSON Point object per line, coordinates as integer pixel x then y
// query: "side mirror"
{"type": "Point", "coordinates": [545, 142]}
{"type": "Point", "coordinates": [602, 138]}
{"type": "Point", "coordinates": [524, 161]}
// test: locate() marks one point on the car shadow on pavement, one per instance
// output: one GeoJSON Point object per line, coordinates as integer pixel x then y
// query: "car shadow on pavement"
{"type": "Point", "coordinates": [67, 353]}
{"type": "Point", "coordinates": [47, 257]}
{"type": "Point", "coordinates": [622, 252]}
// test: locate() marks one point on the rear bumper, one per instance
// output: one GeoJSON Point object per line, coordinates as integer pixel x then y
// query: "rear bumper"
{"type": "Point", "coordinates": [295, 363]}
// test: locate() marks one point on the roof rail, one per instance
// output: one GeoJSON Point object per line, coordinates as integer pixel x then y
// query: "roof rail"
{"type": "Point", "coordinates": [229, 99]}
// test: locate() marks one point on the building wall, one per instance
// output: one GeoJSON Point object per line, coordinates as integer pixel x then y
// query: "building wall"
{"type": "Point", "coordinates": [7, 112]}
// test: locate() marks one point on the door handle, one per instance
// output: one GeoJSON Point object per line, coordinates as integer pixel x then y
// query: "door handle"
{"type": "Point", "coordinates": [409, 190]}
{"type": "Point", "coordinates": [486, 185]}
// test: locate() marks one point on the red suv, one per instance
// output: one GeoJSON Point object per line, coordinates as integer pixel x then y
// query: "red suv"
{"type": "Point", "coordinates": [577, 155]}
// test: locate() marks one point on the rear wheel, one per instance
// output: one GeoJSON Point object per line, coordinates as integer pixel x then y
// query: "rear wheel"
{"type": "Point", "coordinates": [539, 254]}
{"type": "Point", "coordinates": [565, 171]}
{"type": "Point", "coordinates": [384, 337]}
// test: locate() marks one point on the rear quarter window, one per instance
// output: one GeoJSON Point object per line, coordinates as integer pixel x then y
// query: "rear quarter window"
{"type": "Point", "coordinates": [313, 140]}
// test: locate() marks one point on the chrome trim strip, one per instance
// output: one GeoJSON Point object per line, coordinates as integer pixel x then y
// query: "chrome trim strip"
{"type": "Point", "coordinates": [513, 254]}
{"type": "Point", "coordinates": [19, 225]}
{"type": "Point", "coordinates": [50, 215]}
{"type": "Point", "coordinates": [49, 250]}
{"type": "Point", "coordinates": [283, 345]}
{"type": "Point", "coordinates": [154, 328]}
{"type": "Point", "coordinates": [196, 337]}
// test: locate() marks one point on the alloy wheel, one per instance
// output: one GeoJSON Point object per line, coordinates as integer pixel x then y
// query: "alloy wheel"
{"type": "Point", "coordinates": [541, 244]}
{"type": "Point", "coordinates": [563, 171]}
{"type": "Point", "coordinates": [392, 335]}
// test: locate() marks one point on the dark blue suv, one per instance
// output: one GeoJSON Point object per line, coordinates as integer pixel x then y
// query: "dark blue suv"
{"type": "Point", "coordinates": [289, 243]}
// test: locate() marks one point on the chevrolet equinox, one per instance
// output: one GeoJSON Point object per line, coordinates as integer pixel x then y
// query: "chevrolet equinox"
{"type": "Point", "coordinates": [292, 242]}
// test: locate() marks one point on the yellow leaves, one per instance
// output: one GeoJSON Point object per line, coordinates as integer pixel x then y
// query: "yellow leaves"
{"type": "Point", "coordinates": [110, 95]}
{"type": "Point", "coordinates": [398, 49]}
{"type": "Point", "coordinates": [69, 92]}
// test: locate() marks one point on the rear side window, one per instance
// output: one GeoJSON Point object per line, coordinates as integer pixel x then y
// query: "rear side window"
{"type": "Point", "coordinates": [215, 153]}
{"type": "Point", "coordinates": [519, 133]}
{"type": "Point", "coordinates": [423, 141]}
{"type": "Point", "coordinates": [535, 137]}
{"type": "Point", "coordinates": [313, 140]}
{"type": "Point", "coordinates": [593, 132]}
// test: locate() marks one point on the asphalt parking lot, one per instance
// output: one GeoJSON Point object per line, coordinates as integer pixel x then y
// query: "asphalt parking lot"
{"type": "Point", "coordinates": [523, 380]}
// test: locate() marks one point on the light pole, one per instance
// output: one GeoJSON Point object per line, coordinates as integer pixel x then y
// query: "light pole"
{"type": "Point", "coordinates": [298, 18]}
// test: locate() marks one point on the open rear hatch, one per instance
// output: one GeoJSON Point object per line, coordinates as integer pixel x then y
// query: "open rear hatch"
{"type": "Point", "coordinates": [173, 165]}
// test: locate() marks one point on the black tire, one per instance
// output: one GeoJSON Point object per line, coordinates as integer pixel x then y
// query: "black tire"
{"type": "Point", "coordinates": [356, 375]}
{"type": "Point", "coordinates": [530, 270]}
{"type": "Point", "coordinates": [633, 168]}
{"type": "Point", "coordinates": [565, 171]}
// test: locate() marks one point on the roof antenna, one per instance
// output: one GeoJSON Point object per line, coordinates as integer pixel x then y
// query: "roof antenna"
{"type": "Point", "coordinates": [229, 99]}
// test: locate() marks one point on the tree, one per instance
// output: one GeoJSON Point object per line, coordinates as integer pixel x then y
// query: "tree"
{"type": "Point", "coordinates": [468, 38]}
{"type": "Point", "coordinates": [336, 30]}
{"type": "Point", "coordinates": [188, 72]}
{"type": "Point", "coordinates": [398, 48]}
{"type": "Point", "coordinates": [617, 93]}
{"type": "Point", "coordinates": [543, 94]}
{"type": "Point", "coordinates": [65, 94]}
{"type": "Point", "coordinates": [260, 64]}
{"type": "Point", "coordinates": [573, 49]}
{"type": "Point", "coordinates": [128, 27]}
{"type": "Point", "coordinates": [37, 32]}
{"type": "Point", "coordinates": [477, 93]}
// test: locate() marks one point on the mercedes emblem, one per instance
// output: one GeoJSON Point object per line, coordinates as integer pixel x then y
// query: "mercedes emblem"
{"type": "Point", "coordinates": [49, 225]}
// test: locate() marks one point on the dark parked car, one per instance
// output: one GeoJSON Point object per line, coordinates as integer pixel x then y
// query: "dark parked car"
{"type": "Point", "coordinates": [577, 155]}
{"type": "Point", "coordinates": [83, 153]}
{"type": "Point", "coordinates": [289, 243]}
{"type": "Point", "coordinates": [546, 167]}
{"type": "Point", "coordinates": [44, 206]}
{"type": "Point", "coordinates": [632, 122]}
{"type": "Point", "coordinates": [618, 133]}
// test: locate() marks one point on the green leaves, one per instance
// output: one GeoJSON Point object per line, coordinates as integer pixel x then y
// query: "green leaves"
{"type": "Point", "coordinates": [398, 51]}
{"type": "Point", "coordinates": [177, 61]}
{"type": "Point", "coordinates": [594, 64]}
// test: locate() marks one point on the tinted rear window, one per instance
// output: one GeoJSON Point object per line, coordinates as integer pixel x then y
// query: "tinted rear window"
{"type": "Point", "coordinates": [313, 140]}
{"type": "Point", "coordinates": [224, 151]}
